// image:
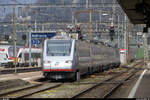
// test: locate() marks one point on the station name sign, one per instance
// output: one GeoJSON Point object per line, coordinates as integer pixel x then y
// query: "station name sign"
{"type": "Point", "coordinates": [37, 37]}
{"type": "Point", "coordinates": [43, 35]}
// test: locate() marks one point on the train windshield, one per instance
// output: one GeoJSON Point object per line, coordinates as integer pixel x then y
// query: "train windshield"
{"type": "Point", "coordinates": [58, 48]}
{"type": "Point", "coordinates": [3, 56]}
{"type": "Point", "coordinates": [11, 51]}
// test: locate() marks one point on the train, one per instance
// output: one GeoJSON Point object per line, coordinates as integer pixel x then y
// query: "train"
{"type": "Point", "coordinates": [66, 58]}
{"type": "Point", "coordinates": [21, 54]}
{"type": "Point", "coordinates": [4, 59]}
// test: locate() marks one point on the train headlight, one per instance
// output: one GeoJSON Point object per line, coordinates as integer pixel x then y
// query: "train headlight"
{"type": "Point", "coordinates": [47, 62]}
{"type": "Point", "coordinates": [69, 61]}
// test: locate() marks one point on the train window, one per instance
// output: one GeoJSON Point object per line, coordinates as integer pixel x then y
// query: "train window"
{"type": "Point", "coordinates": [96, 50]}
{"type": "Point", "coordinates": [75, 47]}
{"type": "Point", "coordinates": [84, 52]}
{"type": "Point", "coordinates": [26, 56]}
{"type": "Point", "coordinates": [11, 51]}
{"type": "Point", "coordinates": [6, 56]}
{"type": "Point", "coordinates": [33, 56]}
{"type": "Point", "coordinates": [59, 48]}
{"type": "Point", "coordinates": [20, 55]}
{"type": "Point", "coordinates": [36, 55]}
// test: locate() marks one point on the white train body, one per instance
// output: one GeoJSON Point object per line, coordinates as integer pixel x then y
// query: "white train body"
{"type": "Point", "coordinates": [4, 55]}
{"type": "Point", "coordinates": [23, 56]}
{"type": "Point", "coordinates": [65, 58]}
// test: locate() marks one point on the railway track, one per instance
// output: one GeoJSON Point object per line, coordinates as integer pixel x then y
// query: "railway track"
{"type": "Point", "coordinates": [107, 87]}
{"type": "Point", "coordinates": [110, 84]}
{"type": "Point", "coordinates": [116, 86]}
{"type": "Point", "coordinates": [28, 91]}
{"type": "Point", "coordinates": [25, 69]}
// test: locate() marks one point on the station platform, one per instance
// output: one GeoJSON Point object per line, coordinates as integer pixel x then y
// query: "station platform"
{"type": "Point", "coordinates": [24, 76]}
{"type": "Point", "coordinates": [141, 88]}
{"type": "Point", "coordinates": [4, 70]}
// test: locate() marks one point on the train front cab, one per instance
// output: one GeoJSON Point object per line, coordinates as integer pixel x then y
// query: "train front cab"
{"type": "Point", "coordinates": [59, 66]}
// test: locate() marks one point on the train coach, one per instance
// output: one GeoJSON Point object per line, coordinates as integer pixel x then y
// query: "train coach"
{"type": "Point", "coordinates": [22, 55]}
{"type": "Point", "coordinates": [68, 58]}
{"type": "Point", "coordinates": [4, 55]}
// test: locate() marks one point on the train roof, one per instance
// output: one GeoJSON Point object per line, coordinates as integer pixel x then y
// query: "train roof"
{"type": "Point", "coordinates": [61, 38]}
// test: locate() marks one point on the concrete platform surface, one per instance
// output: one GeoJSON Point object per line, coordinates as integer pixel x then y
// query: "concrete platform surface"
{"type": "Point", "coordinates": [24, 76]}
{"type": "Point", "coordinates": [142, 87]}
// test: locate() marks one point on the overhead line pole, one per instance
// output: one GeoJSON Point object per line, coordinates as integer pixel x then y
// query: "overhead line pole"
{"type": "Point", "coordinates": [30, 45]}
{"type": "Point", "coordinates": [90, 30]}
{"type": "Point", "coordinates": [90, 20]}
{"type": "Point", "coordinates": [118, 33]}
{"type": "Point", "coordinates": [125, 37]}
{"type": "Point", "coordinates": [14, 39]}
{"type": "Point", "coordinates": [129, 52]}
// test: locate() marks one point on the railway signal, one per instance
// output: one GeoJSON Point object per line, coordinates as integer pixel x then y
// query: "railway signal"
{"type": "Point", "coordinates": [24, 37]}
{"type": "Point", "coordinates": [78, 30]}
{"type": "Point", "coordinates": [112, 33]}
{"type": "Point", "coordinates": [7, 37]}
{"type": "Point", "coordinates": [70, 28]}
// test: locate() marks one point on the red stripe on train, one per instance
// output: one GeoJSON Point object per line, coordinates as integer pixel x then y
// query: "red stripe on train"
{"type": "Point", "coordinates": [58, 69]}
{"type": "Point", "coordinates": [11, 58]}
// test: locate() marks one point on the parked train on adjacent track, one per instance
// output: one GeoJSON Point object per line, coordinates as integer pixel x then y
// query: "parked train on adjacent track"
{"type": "Point", "coordinates": [64, 58]}
{"type": "Point", "coordinates": [4, 53]}
{"type": "Point", "coordinates": [21, 54]}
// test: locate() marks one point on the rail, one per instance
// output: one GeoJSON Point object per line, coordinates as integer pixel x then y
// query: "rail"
{"type": "Point", "coordinates": [115, 84]}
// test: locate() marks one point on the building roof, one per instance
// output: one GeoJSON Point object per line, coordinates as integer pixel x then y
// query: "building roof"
{"type": "Point", "coordinates": [135, 10]}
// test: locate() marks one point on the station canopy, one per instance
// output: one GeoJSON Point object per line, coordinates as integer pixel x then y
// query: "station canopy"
{"type": "Point", "coordinates": [138, 11]}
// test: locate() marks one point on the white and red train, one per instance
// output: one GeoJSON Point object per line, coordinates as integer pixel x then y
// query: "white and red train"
{"type": "Point", "coordinates": [21, 54]}
{"type": "Point", "coordinates": [69, 58]}
{"type": "Point", "coordinates": [4, 55]}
